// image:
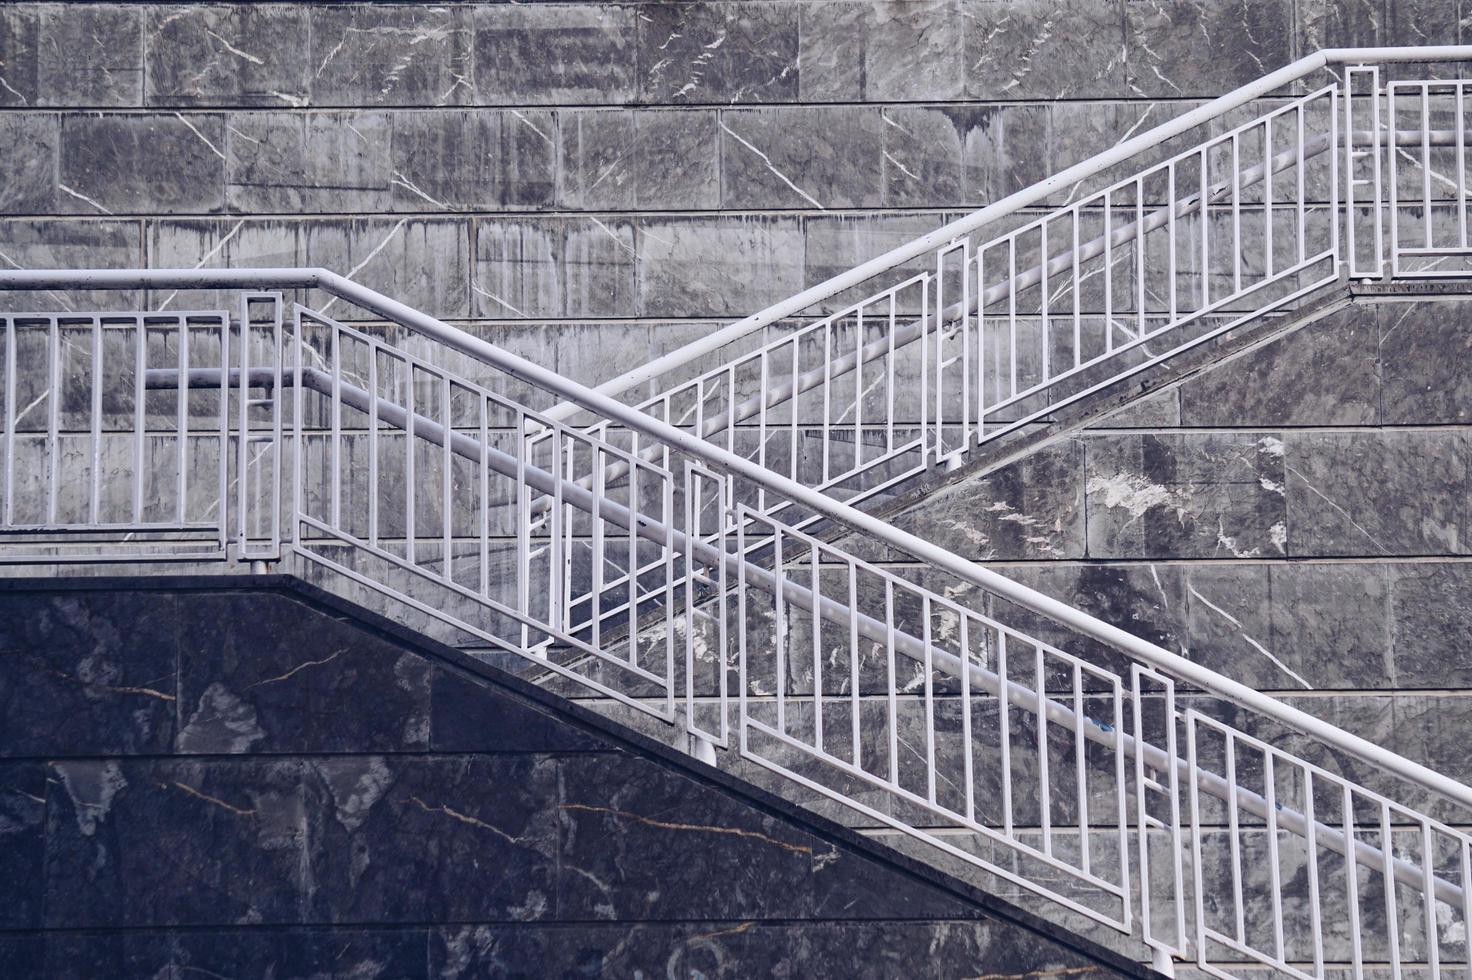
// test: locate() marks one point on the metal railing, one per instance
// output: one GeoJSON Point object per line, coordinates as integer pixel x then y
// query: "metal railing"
{"type": "Point", "coordinates": [1000, 321]}
{"type": "Point", "coordinates": [1120, 784]}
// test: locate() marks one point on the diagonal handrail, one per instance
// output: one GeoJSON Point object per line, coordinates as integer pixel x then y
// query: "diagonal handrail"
{"type": "Point", "coordinates": [600, 404]}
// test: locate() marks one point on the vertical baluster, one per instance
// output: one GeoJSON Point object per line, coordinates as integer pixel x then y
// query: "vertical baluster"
{"type": "Point", "coordinates": [1428, 897]}
{"type": "Point", "coordinates": [1045, 793]}
{"type": "Point", "coordinates": [485, 492]}
{"type": "Point", "coordinates": [634, 514]}
{"type": "Point", "coordinates": [95, 503]}
{"type": "Point", "coordinates": [1234, 835]}
{"type": "Point", "coordinates": [929, 698]}
{"type": "Point", "coordinates": [1043, 301]}
{"type": "Point", "coordinates": [1012, 314]}
{"type": "Point", "coordinates": [891, 686]}
{"type": "Point", "coordinates": [1004, 731]}
{"type": "Point", "coordinates": [1267, 196]}
{"type": "Point", "coordinates": [779, 576]}
{"type": "Point", "coordinates": [1170, 235]}
{"type": "Point", "coordinates": [373, 428]}
{"type": "Point", "coordinates": [446, 488]}
{"type": "Point", "coordinates": [1461, 134]}
{"type": "Point", "coordinates": [817, 628]}
{"type": "Point", "coordinates": [1140, 264]}
{"type": "Point", "coordinates": [966, 747]}
{"type": "Point", "coordinates": [853, 658]}
{"type": "Point", "coordinates": [1109, 270]}
{"type": "Point", "coordinates": [1425, 160]}
{"type": "Point", "coordinates": [1311, 844]}
{"type": "Point", "coordinates": [140, 417]}
{"type": "Point", "coordinates": [1081, 778]}
{"type": "Point", "coordinates": [336, 423]}
{"type": "Point", "coordinates": [409, 479]}
{"type": "Point", "coordinates": [1077, 294]}
{"type": "Point", "coordinates": [827, 398]}
{"type": "Point", "coordinates": [1275, 877]}
{"type": "Point", "coordinates": [53, 426]}
{"type": "Point", "coordinates": [1392, 914]}
{"type": "Point", "coordinates": [1301, 202]}
{"type": "Point", "coordinates": [1352, 885]}
{"type": "Point", "coordinates": [595, 592]}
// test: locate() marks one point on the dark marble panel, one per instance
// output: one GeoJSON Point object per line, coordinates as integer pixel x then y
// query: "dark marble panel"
{"type": "Point", "coordinates": [259, 689]}
{"type": "Point", "coordinates": [244, 54]}
{"type": "Point", "coordinates": [51, 244]}
{"type": "Point", "coordinates": [717, 266]}
{"type": "Point", "coordinates": [738, 949]}
{"type": "Point", "coordinates": [639, 844]}
{"type": "Point", "coordinates": [1032, 509]}
{"type": "Point", "coordinates": [23, 954]}
{"type": "Point", "coordinates": [172, 842]}
{"type": "Point", "coordinates": [469, 716]}
{"type": "Point", "coordinates": [1185, 496]}
{"type": "Point", "coordinates": [555, 54]}
{"type": "Point", "coordinates": [293, 162]}
{"type": "Point", "coordinates": [71, 55]}
{"type": "Point", "coordinates": [83, 955]}
{"type": "Point", "coordinates": [801, 157]}
{"type": "Point", "coordinates": [882, 51]}
{"type": "Point", "coordinates": [22, 844]}
{"type": "Point", "coordinates": [84, 674]}
{"type": "Point", "coordinates": [1377, 493]}
{"type": "Point", "coordinates": [466, 839]}
{"type": "Point", "coordinates": [30, 140]}
{"type": "Point", "coordinates": [1430, 621]}
{"type": "Point", "coordinates": [1324, 374]}
{"type": "Point", "coordinates": [718, 52]}
{"type": "Point", "coordinates": [679, 159]}
{"type": "Point", "coordinates": [1043, 49]}
{"type": "Point", "coordinates": [1426, 362]}
{"type": "Point", "coordinates": [367, 55]}
{"type": "Point", "coordinates": [1179, 48]}
{"type": "Point", "coordinates": [142, 164]}
{"type": "Point", "coordinates": [474, 160]}
{"type": "Point", "coordinates": [303, 954]}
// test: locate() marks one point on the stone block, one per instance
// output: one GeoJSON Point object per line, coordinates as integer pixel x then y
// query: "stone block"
{"type": "Point", "coordinates": [421, 262]}
{"type": "Point", "coordinates": [474, 160]}
{"type": "Point", "coordinates": [1185, 496]}
{"type": "Point", "coordinates": [236, 55]}
{"type": "Point", "coordinates": [1324, 374]}
{"type": "Point", "coordinates": [1430, 621]}
{"type": "Point", "coordinates": [679, 159]}
{"type": "Point", "coordinates": [1045, 49]}
{"type": "Point", "coordinates": [51, 244]}
{"type": "Point", "coordinates": [882, 51]}
{"type": "Point", "coordinates": [1424, 362]}
{"type": "Point", "coordinates": [145, 164]}
{"type": "Point", "coordinates": [1377, 493]}
{"type": "Point", "coordinates": [86, 55]}
{"type": "Point", "coordinates": [801, 157]}
{"type": "Point", "coordinates": [555, 54]}
{"type": "Point", "coordinates": [1032, 509]}
{"type": "Point", "coordinates": [31, 140]}
{"type": "Point", "coordinates": [1196, 48]}
{"type": "Point", "coordinates": [290, 162]}
{"type": "Point", "coordinates": [600, 159]}
{"type": "Point", "coordinates": [720, 52]}
{"type": "Point", "coordinates": [717, 266]}
{"type": "Point", "coordinates": [389, 55]}
{"type": "Point", "coordinates": [530, 267]}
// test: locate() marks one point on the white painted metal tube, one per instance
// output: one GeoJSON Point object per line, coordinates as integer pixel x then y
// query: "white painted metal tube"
{"type": "Point", "coordinates": [691, 444]}
{"type": "Point", "coordinates": [1015, 202]}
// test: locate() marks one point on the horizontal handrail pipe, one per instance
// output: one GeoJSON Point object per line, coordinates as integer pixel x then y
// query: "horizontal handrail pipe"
{"type": "Point", "coordinates": [732, 464]}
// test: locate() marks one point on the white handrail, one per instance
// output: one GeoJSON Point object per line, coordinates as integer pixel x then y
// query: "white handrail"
{"type": "Point", "coordinates": [601, 404]}
{"type": "Point", "coordinates": [1015, 202]}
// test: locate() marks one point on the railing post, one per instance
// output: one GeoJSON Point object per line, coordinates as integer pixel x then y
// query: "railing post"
{"type": "Point", "coordinates": [258, 469]}
{"type": "Point", "coordinates": [1362, 184]}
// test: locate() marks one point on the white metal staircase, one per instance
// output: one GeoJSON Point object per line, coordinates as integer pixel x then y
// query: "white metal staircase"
{"type": "Point", "coordinates": [698, 556]}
